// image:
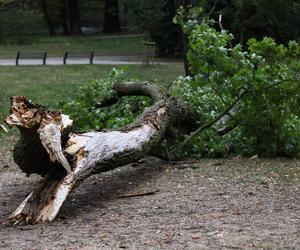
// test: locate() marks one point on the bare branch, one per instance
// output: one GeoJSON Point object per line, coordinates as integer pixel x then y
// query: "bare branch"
{"type": "Point", "coordinates": [4, 128]}
{"type": "Point", "coordinates": [213, 8]}
{"type": "Point", "coordinates": [221, 27]}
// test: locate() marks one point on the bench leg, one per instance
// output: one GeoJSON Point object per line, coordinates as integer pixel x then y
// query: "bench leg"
{"type": "Point", "coordinates": [17, 58]}
{"type": "Point", "coordinates": [44, 58]}
{"type": "Point", "coordinates": [92, 57]}
{"type": "Point", "coordinates": [65, 58]}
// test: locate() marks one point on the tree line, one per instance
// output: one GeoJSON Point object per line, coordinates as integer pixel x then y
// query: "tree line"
{"type": "Point", "coordinates": [66, 15]}
{"type": "Point", "coordinates": [278, 19]}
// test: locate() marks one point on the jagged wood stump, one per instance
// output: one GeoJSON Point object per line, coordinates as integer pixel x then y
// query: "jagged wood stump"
{"type": "Point", "coordinates": [65, 159]}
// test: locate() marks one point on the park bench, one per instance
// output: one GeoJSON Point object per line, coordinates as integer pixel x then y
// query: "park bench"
{"type": "Point", "coordinates": [79, 55]}
{"type": "Point", "coordinates": [31, 55]}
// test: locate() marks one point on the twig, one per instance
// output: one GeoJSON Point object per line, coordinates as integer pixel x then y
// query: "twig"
{"type": "Point", "coordinates": [4, 128]}
{"type": "Point", "coordinates": [221, 27]}
{"type": "Point", "coordinates": [213, 8]}
{"type": "Point", "coordinates": [138, 194]}
{"type": "Point", "coordinates": [216, 91]}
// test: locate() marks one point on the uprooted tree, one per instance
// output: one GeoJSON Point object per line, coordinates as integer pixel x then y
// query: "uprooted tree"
{"type": "Point", "coordinates": [47, 146]}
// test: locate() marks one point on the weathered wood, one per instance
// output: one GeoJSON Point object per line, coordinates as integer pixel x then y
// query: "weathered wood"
{"type": "Point", "coordinates": [38, 150]}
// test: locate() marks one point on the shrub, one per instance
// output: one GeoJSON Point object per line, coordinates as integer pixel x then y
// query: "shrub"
{"type": "Point", "coordinates": [267, 116]}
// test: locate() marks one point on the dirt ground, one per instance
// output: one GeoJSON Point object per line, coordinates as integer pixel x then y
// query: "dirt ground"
{"type": "Point", "coordinates": [233, 203]}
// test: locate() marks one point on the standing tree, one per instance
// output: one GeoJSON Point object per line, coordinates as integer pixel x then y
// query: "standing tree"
{"type": "Point", "coordinates": [186, 4]}
{"type": "Point", "coordinates": [111, 17]}
{"type": "Point", "coordinates": [73, 17]}
{"type": "Point", "coordinates": [146, 15]}
{"type": "Point", "coordinates": [68, 14]}
{"type": "Point", "coordinates": [44, 6]}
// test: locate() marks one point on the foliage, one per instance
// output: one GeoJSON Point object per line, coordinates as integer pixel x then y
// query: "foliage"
{"type": "Point", "coordinates": [245, 19]}
{"type": "Point", "coordinates": [256, 18]}
{"type": "Point", "coordinates": [85, 113]}
{"type": "Point", "coordinates": [267, 116]}
{"type": "Point", "coordinates": [145, 15]}
{"type": "Point", "coordinates": [15, 23]}
{"type": "Point", "coordinates": [167, 35]}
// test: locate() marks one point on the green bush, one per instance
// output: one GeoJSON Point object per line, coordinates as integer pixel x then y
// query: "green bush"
{"type": "Point", "coordinates": [267, 116]}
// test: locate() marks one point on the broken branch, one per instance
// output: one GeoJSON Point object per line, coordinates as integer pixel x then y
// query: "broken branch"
{"type": "Point", "coordinates": [138, 194]}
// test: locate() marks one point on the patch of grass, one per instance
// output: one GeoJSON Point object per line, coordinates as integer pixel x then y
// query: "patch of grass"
{"type": "Point", "coordinates": [57, 45]}
{"type": "Point", "coordinates": [47, 85]}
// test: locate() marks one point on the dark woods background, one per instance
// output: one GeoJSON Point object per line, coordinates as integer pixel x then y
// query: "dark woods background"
{"type": "Point", "coordinates": [278, 19]}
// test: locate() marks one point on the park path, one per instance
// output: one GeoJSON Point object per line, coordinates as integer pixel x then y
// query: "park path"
{"type": "Point", "coordinates": [105, 60]}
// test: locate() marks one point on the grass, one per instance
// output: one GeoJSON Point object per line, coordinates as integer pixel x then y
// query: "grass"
{"type": "Point", "coordinates": [47, 85]}
{"type": "Point", "coordinates": [57, 45]}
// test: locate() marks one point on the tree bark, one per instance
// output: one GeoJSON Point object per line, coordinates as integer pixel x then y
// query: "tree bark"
{"type": "Point", "coordinates": [47, 17]}
{"type": "Point", "coordinates": [185, 43]}
{"type": "Point", "coordinates": [40, 151]}
{"type": "Point", "coordinates": [74, 17]}
{"type": "Point", "coordinates": [111, 17]}
{"type": "Point", "coordinates": [63, 13]}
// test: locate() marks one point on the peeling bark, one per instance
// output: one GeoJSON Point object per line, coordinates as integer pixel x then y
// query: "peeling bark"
{"type": "Point", "coordinates": [89, 153]}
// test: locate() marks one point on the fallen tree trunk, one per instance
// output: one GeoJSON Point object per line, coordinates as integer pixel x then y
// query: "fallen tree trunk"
{"type": "Point", "coordinates": [47, 147]}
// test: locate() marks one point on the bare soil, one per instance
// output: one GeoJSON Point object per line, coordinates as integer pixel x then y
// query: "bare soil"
{"type": "Point", "coordinates": [238, 203]}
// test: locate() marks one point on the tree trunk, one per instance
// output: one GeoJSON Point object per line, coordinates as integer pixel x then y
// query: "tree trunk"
{"type": "Point", "coordinates": [185, 43]}
{"type": "Point", "coordinates": [74, 17]}
{"type": "Point", "coordinates": [46, 147]}
{"type": "Point", "coordinates": [63, 13]}
{"type": "Point", "coordinates": [47, 18]}
{"type": "Point", "coordinates": [111, 17]}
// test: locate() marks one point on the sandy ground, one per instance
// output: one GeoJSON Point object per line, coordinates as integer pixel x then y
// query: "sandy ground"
{"type": "Point", "coordinates": [209, 204]}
